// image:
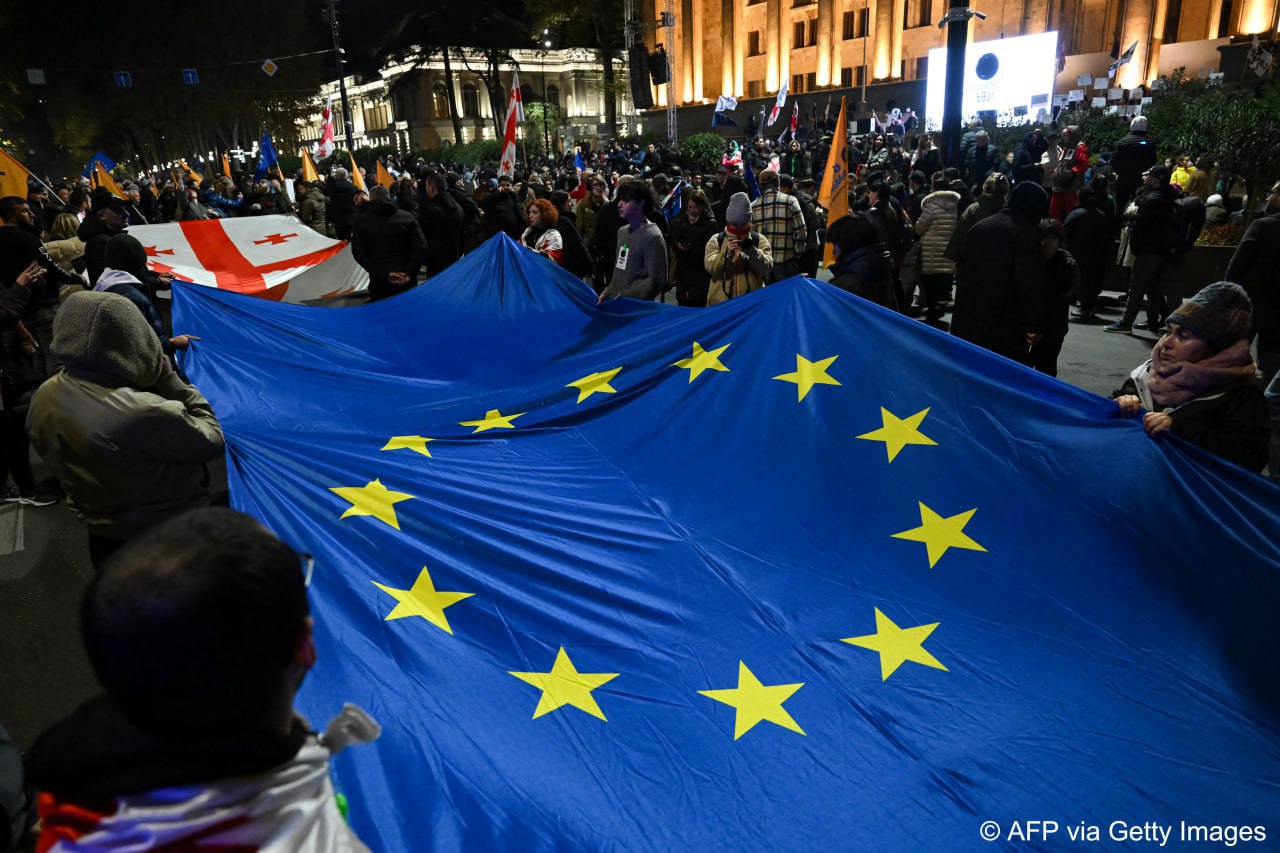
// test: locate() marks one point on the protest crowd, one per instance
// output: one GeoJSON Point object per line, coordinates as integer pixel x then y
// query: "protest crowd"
{"type": "Point", "coordinates": [1006, 249]}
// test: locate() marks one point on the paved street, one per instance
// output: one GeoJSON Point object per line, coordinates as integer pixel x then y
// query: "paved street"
{"type": "Point", "coordinates": [44, 563]}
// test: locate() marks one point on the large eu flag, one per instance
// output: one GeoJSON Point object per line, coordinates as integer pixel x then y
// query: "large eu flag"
{"type": "Point", "coordinates": [790, 573]}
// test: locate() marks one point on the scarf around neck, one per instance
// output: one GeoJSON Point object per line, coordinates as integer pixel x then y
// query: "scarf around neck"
{"type": "Point", "coordinates": [1181, 382]}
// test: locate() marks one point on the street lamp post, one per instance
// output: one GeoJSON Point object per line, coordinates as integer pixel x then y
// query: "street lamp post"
{"type": "Point", "coordinates": [546, 132]}
{"type": "Point", "coordinates": [331, 16]}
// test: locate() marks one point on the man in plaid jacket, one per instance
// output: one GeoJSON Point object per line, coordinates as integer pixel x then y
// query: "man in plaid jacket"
{"type": "Point", "coordinates": [779, 218]}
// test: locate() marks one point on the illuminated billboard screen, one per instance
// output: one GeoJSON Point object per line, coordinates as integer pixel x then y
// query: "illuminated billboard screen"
{"type": "Point", "coordinates": [1011, 78]}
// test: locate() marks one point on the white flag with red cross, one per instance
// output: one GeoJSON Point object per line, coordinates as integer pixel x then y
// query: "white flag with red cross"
{"type": "Point", "coordinates": [515, 115]}
{"type": "Point", "coordinates": [325, 146]}
{"type": "Point", "coordinates": [274, 257]}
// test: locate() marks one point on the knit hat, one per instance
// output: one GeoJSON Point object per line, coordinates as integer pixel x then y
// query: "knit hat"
{"type": "Point", "coordinates": [1214, 199]}
{"type": "Point", "coordinates": [1163, 173]}
{"type": "Point", "coordinates": [1220, 313]}
{"type": "Point", "coordinates": [1138, 125]}
{"type": "Point", "coordinates": [739, 210]}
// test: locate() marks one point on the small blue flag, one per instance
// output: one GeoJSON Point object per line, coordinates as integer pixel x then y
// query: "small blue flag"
{"type": "Point", "coordinates": [722, 118]}
{"type": "Point", "coordinates": [266, 156]}
{"type": "Point", "coordinates": [673, 204]}
{"type": "Point", "coordinates": [753, 186]}
{"type": "Point", "coordinates": [578, 162]}
{"type": "Point", "coordinates": [789, 573]}
{"type": "Point", "coordinates": [107, 163]}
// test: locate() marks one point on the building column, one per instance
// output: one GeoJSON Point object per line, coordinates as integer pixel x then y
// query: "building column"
{"type": "Point", "coordinates": [1256, 17]}
{"type": "Point", "coordinates": [881, 23]}
{"type": "Point", "coordinates": [772, 48]}
{"type": "Point", "coordinates": [699, 91]}
{"type": "Point", "coordinates": [728, 51]}
{"type": "Point", "coordinates": [686, 51]}
{"type": "Point", "coordinates": [1136, 22]}
{"type": "Point", "coordinates": [823, 76]}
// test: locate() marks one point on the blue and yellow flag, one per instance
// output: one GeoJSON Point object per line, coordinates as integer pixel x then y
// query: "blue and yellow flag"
{"type": "Point", "coordinates": [266, 156]}
{"type": "Point", "coordinates": [790, 573]}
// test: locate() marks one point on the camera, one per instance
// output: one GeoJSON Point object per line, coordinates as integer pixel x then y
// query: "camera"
{"type": "Point", "coordinates": [748, 241]}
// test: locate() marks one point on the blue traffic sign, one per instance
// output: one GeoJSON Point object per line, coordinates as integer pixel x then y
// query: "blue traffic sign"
{"type": "Point", "coordinates": [190, 76]}
{"type": "Point", "coordinates": [124, 79]}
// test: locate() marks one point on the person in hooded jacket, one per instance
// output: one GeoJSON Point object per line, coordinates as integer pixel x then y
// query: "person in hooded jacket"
{"type": "Point", "coordinates": [995, 190]}
{"type": "Point", "coordinates": [200, 634]}
{"type": "Point", "coordinates": [388, 243]}
{"type": "Point", "coordinates": [1061, 283]}
{"type": "Point", "coordinates": [863, 266]}
{"type": "Point", "coordinates": [127, 275]}
{"type": "Point", "coordinates": [1089, 233]}
{"type": "Point", "coordinates": [739, 258]}
{"type": "Point", "coordinates": [999, 279]}
{"type": "Point", "coordinates": [576, 259]}
{"type": "Point", "coordinates": [119, 390]}
{"type": "Point", "coordinates": [1134, 155]}
{"type": "Point", "coordinates": [342, 194]}
{"type": "Point", "coordinates": [311, 207]}
{"type": "Point", "coordinates": [108, 218]}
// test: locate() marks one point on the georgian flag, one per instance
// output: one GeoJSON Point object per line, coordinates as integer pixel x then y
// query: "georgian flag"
{"type": "Point", "coordinates": [515, 115]}
{"type": "Point", "coordinates": [324, 147]}
{"type": "Point", "coordinates": [274, 257]}
{"type": "Point", "coordinates": [779, 104]}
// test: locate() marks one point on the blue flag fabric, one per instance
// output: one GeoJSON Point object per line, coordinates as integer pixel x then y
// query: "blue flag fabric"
{"type": "Point", "coordinates": [673, 204]}
{"type": "Point", "coordinates": [266, 156]}
{"type": "Point", "coordinates": [578, 163]}
{"type": "Point", "coordinates": [789, 573]}
{"type": "Point", "coordinates": [748, 175]}
{"type": "Point", "coordinates": [100, 157]}
{"type": "Point", "coordinates": [722, 118]}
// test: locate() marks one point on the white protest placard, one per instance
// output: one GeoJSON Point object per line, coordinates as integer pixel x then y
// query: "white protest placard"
{"type": "Point", "coordinates": [1101, 83]}
{"type": "Point", "coordinates": [1099, 102]}
{"type": "Point", "coordinates": [1060, 100]}
{"type": "Point", "coordinates": [1115, 94]}
{"type": "Point", "coordinates": [1084, 80]}
{"type": "Point", "coordinates": [1136, 92]}
{"type": "Point", "coordinates": [1075, 95]}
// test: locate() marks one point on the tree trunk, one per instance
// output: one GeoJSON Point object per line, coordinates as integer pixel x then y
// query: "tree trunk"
{"type": "Point", "coordinates": [453, 100]}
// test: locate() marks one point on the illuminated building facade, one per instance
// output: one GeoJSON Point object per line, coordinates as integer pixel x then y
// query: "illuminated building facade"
{"type": "Point", "coordinates": [746, 48]}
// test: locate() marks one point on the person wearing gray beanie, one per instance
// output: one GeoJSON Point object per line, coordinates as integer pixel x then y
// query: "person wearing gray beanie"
{"type": "Point", "coordinates": [738, 259]}
{"type": "Point", "coordinates": [1200, 383]}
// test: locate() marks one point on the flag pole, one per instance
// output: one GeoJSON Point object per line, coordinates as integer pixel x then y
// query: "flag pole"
{"type": "Point", "coordinates": [31, 174]}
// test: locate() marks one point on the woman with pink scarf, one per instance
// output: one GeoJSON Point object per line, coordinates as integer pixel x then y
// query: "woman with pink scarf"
{"type": "Point", "coordinates": [1200, 383]}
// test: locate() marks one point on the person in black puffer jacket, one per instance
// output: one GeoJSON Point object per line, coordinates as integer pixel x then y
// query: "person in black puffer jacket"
{"type": "Point", "coordinates": [388, 243]}
{"type": "Point", "coordinates": [863, 265]}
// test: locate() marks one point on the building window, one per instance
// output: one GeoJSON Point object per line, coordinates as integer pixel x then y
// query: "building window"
{"type": "Point", "coordinates": [1224, 20]}
{"type": "Point", "coordinates": [470, 101]}
{"type": "Point", "coordinates": [922, 68]}
{"type": "Point", "coordinates": [753, 44]}
{"type": "Point", "coordinates": [915, 13]}
{"type": "Point", "coordinates": [810, 81]}
{"type": "Point", "coordinates": [376, 117]}
{"type": "Point", "coordinates": [797, 84]}
{"type": "Point", "coordinates": [846, 78]}
{"type": "Point", "coordinates": [440, 100]}
{"type": "Point", "coordinates": [797, 40]}
{"type": "Point", "coordinates": [754, 2]}
{"type": "Point", "coordinates": [864, 22]}
{"type": "Point", "coordinates": [553, 96]}
{"type": "Point", "coordinates": [860, 75]}
{"type": "Point", "coordinates": [813, 32]}
{"type": "Point", "coordinates": [755, 89]}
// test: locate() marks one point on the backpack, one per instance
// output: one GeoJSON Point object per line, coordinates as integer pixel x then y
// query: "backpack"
{"type": "Point", "coordinates": [1188, 221]}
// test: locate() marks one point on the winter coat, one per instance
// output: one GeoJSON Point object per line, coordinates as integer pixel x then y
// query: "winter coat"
{"type": "Point", "coordinates": [740, 276]}
{"type": "Point", "coordinates": [986, 205]}
{"type": "Point", "coordinates": [1089, 238]}
{"type": "Point", "coordinates": [928, 163]}
{"type": "Point", "coordinates": [576, 259]}
{"type": "Point", "coordinates": [441, 222]}
{"type": "Point", "coordinates": [1152, 230]}
{"type": "Point", "coordinates": [386, 239]}
{"type": "Point", "coordinates": [342, 204]}
{"type": "Point", "coordinates": [1061, 282]}
{"type": "Point", "coordinates": [689, 243]}
{"type": "Point", "coordinates": [867, 272]}
{"type": "Point", "coordinates": [586, 211]}
{"type": "Point", "coordinates": [95, 235]}
{"type": "Point", "coordinates": [127, 440]}
{"type": "Point", "coordinates": [1000, 275]}
{"type": "Point", "coordinates": [1231, 423]}
{"type": "Point", "coordinates": [1254, 266]}
{"type": "Point", "coordinates": [980, 162]}
{"type": "Point", "coordinates": [547, 243]}
{"type": "Point", "coordinates": [312, 211]}
{"type": "Point", "coordinates": [65, 252]}
{"type": "Point", "coordinates": [938, 219]}
{"type": "Point", "coordinates": [1134, 154]}
{"type": "Point", "coordinates": [106, 783]}
{"type": "Point", "coordinates": [502, 215]}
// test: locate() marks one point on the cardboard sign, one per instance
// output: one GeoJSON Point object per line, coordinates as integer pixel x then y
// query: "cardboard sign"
{"type": "Point", "coordinates": [1075, 95]}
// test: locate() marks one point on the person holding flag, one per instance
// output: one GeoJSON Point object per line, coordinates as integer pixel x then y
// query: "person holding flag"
{"type": "Point", "coordinates": [833, 195]}
{"type": "Point", "coordinates": [515, 116]}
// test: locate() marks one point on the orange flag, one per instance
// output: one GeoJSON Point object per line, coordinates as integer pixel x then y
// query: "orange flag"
{"type": "Point", "coordinates": [834, 194]}
{"type": "Point", "coordinates": [356, 177]}
{"type": "Point", "coordinates": [384, 177]}
{"type": "Point", "coordinates": [191, 173]}
{"type": "Point", "coordinates": [107, 182]}
{"type": "Point", "coordinates": [13, 177]}
{"type": "Point", "coordinates": [226, 165]}
{"type": "Point", "coordinates": [309, 173]}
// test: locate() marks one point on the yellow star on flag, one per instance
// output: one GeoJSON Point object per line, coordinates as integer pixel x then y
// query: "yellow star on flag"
{"type": "Point", "coordinates": [897, 645]}
{"type": "Point", "coordinates": [564, 685]}
{"type": "Point", "coordinates": [423, 599]}
{"type": "Point", "coordinates": [416, 443]}
{"type": "Point", "coordinates": [493, 419]}
{"type": "Point", "coordinates": [373, 499]}
{"type": "Point", "coordinates": [596, 383]}
{"type": "Point", "coordinates": [897, 432]}
{"type": "Point", "coordinates": [809, 373]}
{"type": "Point", "coordinates": [938, 533]}
{"type": "Point", "coordinates": [754, 702]}
{"type": "Point", "coordinates": [702, 360]}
